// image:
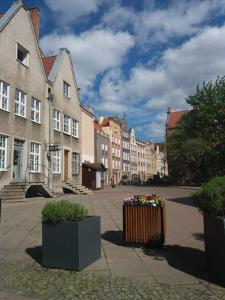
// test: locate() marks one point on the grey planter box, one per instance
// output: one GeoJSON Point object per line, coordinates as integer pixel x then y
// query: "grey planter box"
{"type": "Point", "coordinates": [214, 233]}
{"type": "Point", "coordinates": [71, 245]}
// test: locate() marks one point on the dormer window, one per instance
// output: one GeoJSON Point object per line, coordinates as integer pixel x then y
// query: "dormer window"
{"type": "Point", "coordinates": [66, 89]}
{"type": "Point", "coordinates": [22, 55]}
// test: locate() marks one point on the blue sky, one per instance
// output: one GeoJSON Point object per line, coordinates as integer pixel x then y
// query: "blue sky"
{"type": "Point", "coordinates": [136, 56]}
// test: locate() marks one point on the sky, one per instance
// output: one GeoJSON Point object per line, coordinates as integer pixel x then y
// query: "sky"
{"type": "Point", "coordinates": [136, 56]}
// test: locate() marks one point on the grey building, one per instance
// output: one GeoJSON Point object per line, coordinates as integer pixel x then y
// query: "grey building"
{"type": "Point", "coordinates": [125, 144]}
{"type": "Point", "coordinates": [40, 114]}
{"type": "Point", "coordinates": [102, 146]}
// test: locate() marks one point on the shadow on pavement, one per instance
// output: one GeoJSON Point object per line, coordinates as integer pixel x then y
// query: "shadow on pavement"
{"type": "Point", "coordinates": [184, 200]}
{"type": "Point", "coordinates": [186, 259]}
{"type": "Point", "coordinates": [35, 253]}
{"type": "Point", "coordinates": [114, 237]}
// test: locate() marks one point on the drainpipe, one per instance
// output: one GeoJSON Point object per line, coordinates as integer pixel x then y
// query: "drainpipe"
{"type": "Point", "coordinates": [50, 99]}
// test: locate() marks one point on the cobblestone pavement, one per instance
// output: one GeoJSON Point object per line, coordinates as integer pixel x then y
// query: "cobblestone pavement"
{"type": "Point", "coordinates": [40, 283]}
{"type": "Point", "coordinates": [175, 271]}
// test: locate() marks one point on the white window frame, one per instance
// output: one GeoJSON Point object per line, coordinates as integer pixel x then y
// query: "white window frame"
{"type": "Point", "coordinates": [75, 163]}
{"type": "Point", "coordinates": [35, 158]}
{"type": "Point", "coordinates": [36, 110]}
{"type": "Point", "coordinates": [56, 120]}
{"type": "Point", "coordinates": [3, 96]}
{"type": "Point", "coordinates": [66, 89]}
{"type": "Point", "coordinates": [67, 124]}
{"type": "Point", "coordinates": [56, 162]}
{"type": "Point", "coordinates": [20, 103]}
{"type": "Point", "coordinates": [3, 153]}
{"type": "Point", "coordinates": [75, 128]}
{"type": "Point", "coordinates": [25, 60]}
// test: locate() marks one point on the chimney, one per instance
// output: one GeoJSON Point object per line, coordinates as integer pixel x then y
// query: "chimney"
{"type": "Point", "coordinates": [35, 15]}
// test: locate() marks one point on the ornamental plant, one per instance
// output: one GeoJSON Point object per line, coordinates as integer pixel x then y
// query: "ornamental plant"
{"type": "Point", "coordinates": [55, 212]}
{"type": "Point", "coordinates": [210, 199]}
{"type": "Point", "coordinates": [144, 200]}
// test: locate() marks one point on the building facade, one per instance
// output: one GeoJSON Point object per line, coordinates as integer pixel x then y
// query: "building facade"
{"type": "Point", "coordinates": [125, 147]}
{"type": "Point", "coordinates": [133, 155]}
{"type": "Point", "coordinates": [102, 146]}
{"type": "Point", "coordinates": [112, 128]}
{"type": "Point", "coordinates": [40, 112]}
{"type": "Point", "coordinates": [141, 160]}
{"type": "Point", "coordinates": [88, 147]}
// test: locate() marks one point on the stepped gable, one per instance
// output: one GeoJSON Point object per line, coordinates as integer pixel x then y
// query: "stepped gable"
{"type": "Point", "coordinates": [48, 63]}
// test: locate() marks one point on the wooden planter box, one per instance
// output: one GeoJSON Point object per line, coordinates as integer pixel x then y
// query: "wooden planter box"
{"type": "Point", "coordinates": [144, 225]}
{"type": "Point", "coordinates": [71, 245]}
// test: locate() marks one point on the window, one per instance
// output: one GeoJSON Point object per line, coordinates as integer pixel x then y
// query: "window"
{"type": "Point", "coordinates": [106, 162]}
{"type": "Point", "coordinates": [36, 110]}
{"type": "Point", "coordinates": [3, 153]}
{"type": "Point", "coordinates": [20, 103]}
{"type": "Point", "coordinates": [35, 155]}
{"type": "Point", "coordinates": [75, 128]}
{"type": "Point", "coordinates": [103, 160]}
{"type": "Point", "coordinates": [22, 55]}
{"type": "Point", "coordinates": [4, 95]}
{"type": "Point", "coordinates": [75, 163]}
{"type": "Point", "coordinates": [106, 148]}
{"type": "Point", "coordinates": [66, 89]}
{"type": "Point", "coordinates": [56, 162]}
{"type": "Point", "coordinates": [66, 124]}
{"type": "Point", "coordinates": [56, 119]}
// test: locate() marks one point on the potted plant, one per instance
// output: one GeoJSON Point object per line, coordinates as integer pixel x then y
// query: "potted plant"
{"type": "Point", "coordinates": [70, 238]}
{"type": "Point", "coordinates": [211, 202]}
{"type": "Point", "coordinates": [144, 220]}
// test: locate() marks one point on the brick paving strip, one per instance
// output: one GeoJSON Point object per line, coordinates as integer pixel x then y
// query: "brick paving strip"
{"type": "Point", "coordinates": [176, 271]}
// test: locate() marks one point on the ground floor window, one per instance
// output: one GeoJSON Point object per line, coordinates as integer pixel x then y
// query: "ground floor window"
{"type": "Point", "coordinates": [56, 162]}
{"type": "Point", "coordinates": [75, 163]}
{"type": "Point", "coordinates": [3, 153]}
{"type": "Point", "coordinates": [35, 158]}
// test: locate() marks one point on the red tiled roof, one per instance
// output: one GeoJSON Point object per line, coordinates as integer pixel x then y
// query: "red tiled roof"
{"type": "Point", "coordinates": [105, 122]}
{"type": "Point", "coordinates": [97, 126]}
{"type": "Point", "coordinates": [48, 63]}
{"type": "Point", "coordinates": [175, 117]}
{"type": "Point", "coordinates": [1, 15]}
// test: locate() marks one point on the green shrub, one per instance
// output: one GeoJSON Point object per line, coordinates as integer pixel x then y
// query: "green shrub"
{"type": "Point", "coordinates": [211, 198]}
{"type": "Point", "coordinates": [55, 212]}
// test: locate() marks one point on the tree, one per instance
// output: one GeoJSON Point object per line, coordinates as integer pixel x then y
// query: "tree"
{"type": "Point", "coordinates": [197, 145]}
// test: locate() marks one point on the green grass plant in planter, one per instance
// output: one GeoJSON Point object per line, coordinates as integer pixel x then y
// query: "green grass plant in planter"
{"type": "Point", "coordinates": [211, 202]}
{"type": "Point", "coordinates": [55, 212]}
{"type": "Point", "coordinates": [70, 237]}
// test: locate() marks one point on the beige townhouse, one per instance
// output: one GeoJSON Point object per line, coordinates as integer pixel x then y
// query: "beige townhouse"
{"type": "Point", "coordinates": [40, 112]}
{"type": "Point", "coordinates": [64, 120]}
{"type": "Point", "coordinates": [112, 127]}
{"type": "Point", "coordinates": [22, 97]}
{"type": "Point", "coordinates": [133, 155]}
{"type": "Point", "coordinates": [141, 160]}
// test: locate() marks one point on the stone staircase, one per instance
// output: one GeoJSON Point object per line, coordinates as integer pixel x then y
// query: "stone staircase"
{"type": "Point", "coordinates": [16, 191]}
{"type": "Point", "coordinates": [75, 188]}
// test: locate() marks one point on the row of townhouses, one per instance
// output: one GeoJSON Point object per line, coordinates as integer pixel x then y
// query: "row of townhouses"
{"type": "Point", "coordinates": [49, 141]}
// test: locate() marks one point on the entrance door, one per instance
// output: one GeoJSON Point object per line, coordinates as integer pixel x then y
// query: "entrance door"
{"type": "Point", "coordinates": [18, 160]}
{"type": "Point", "coordinates": [66, 164]}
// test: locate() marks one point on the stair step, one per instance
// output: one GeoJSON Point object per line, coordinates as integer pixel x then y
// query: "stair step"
{"type": "Point", "coordinates": [4, 197]}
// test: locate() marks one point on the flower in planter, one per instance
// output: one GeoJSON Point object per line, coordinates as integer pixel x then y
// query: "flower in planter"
{"type": "Point", "coordinates": [144, 200]}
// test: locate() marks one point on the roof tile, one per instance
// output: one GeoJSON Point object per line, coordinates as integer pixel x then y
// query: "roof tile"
{"type": "Point", "coordinates": [175, 117]}
{"type": "Point", "coordinates": [48, 63]}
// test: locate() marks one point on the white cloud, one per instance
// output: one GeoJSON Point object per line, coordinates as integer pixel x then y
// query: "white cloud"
{"type": "Point", "coordinates": [150, 91]}
{"type": "Point", "coordinates": [178, 19]}
{"type": "Point", "coordinates": [70, 11]}
{"type": "Point", "coordinates": [93, 51]}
